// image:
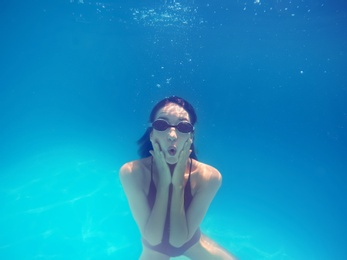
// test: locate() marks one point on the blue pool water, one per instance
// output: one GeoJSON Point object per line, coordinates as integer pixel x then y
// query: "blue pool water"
{"type": "Point", "coordinates": [268, 80]}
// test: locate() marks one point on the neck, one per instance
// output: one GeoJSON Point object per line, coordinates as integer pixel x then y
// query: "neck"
{"type": "Point", "coordinates": [171, 167]}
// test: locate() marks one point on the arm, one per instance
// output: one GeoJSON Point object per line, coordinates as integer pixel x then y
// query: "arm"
{"type": "Point", "coordinates": [184, 224]}
{"type": "Point", "coordinates": [179, 231]}
{"type": "Point", "coordinates": [150, 222]}
{"type": "Point", "coordinates": [156, 221]}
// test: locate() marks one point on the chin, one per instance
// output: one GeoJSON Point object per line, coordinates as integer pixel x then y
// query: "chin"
{"type": "Point", "coordinates": [171, 160]}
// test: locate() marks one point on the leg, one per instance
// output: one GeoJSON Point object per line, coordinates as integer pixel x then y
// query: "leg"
{"type": "Point", "coordinates": [149, 254]}
{"type": "Point", "coordinates": [208, 250]}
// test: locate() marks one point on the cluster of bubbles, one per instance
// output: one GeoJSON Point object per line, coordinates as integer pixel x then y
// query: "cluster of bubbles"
{"type": "Point", "coordinates": [163, 14]}
{"type": "Point", "coordinates": [280, 7]}
{"type": "Point", "coordinates": [188, 14]}
{"type": "Point", "coordinates": [172, 14]}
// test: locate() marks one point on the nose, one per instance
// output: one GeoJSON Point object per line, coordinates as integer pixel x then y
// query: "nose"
{"type": "Point", "coordinates": [172, 136]}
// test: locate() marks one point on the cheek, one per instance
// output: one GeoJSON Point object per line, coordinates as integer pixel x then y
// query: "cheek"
{"type": "Point", "coordinates": [156, 136]}
{"type": "Point", "coordinates": [183, 138]}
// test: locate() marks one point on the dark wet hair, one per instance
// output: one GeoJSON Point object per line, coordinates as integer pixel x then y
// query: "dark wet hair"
{"type": "Point", "coordinates": [144, 142]}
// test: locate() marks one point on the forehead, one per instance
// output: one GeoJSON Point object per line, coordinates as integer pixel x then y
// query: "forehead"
{"type": "Point", "coordinates": [173, 110]}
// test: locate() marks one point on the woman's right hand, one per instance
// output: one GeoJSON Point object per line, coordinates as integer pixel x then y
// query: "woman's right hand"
{"type": "Point", "coordinates": [164, 174]}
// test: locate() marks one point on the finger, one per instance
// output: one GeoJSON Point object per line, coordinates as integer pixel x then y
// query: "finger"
{"type": "Point", "coordinates": [184, 154]}
{"type": "Point", "coordinates": [187, 145]}
{"type": "Point", "coordinates": [158, 152]}
{"type": "Point", "coordinates": [156, 148]}
{"type": "Point", "coordinates": [162, 156]}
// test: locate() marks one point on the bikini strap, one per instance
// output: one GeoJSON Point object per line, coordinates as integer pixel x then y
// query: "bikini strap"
{"type": "Point", "coordinates": [190, 168]}
{"type": "Point", "coordinates": [152, 168]}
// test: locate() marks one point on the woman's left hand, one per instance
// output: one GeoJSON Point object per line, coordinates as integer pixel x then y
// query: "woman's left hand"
{"type": "Point", "coordinates": [180, 168]}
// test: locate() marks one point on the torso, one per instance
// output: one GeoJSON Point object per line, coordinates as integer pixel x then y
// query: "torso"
{"type": "Point", "coordinates": [165, 247]}
{"type": "Point", "coordinates": [200, 175]}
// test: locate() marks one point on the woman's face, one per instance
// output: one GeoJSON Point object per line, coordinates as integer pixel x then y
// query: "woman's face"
{"type": "Point", "coordinates": [171, 141]}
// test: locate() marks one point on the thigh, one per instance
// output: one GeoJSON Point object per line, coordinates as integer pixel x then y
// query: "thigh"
{"type": "Point", "coordinates": [149, 254]}
{"type": "Point", "coordinates": [207, 249]}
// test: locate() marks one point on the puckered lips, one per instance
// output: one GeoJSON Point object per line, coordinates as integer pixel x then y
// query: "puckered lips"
{"type": "Point", "coordinates": [172, 150]}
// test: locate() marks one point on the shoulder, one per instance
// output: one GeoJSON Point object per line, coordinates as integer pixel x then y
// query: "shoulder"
{"type": "Point", "coordinates": [207, 176]}
{"type": "Point", "coordinates": [134, 171]}
{"type": "Point", "coordinates": [134, 166]}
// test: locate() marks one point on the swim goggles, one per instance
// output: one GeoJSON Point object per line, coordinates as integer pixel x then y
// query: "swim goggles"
{"type": "Point", "coordinates": [183, 127]}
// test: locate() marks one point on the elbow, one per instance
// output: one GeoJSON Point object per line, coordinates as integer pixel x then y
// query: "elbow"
{"type": "Point", "coordinates": [151, 238]}
{"type": "Point", "coordinates": [178, 241]}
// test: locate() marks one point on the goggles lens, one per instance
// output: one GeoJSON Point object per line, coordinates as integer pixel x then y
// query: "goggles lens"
{"type": "Point", "coordinates": [183, 127]}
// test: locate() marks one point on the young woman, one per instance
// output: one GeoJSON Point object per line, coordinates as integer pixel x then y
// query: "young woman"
{"type": "Point", "coordinates": [169, 190]}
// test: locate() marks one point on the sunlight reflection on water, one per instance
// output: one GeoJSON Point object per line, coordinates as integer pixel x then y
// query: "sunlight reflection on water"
{"type": "Point", "coordinates": [63, 204]}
